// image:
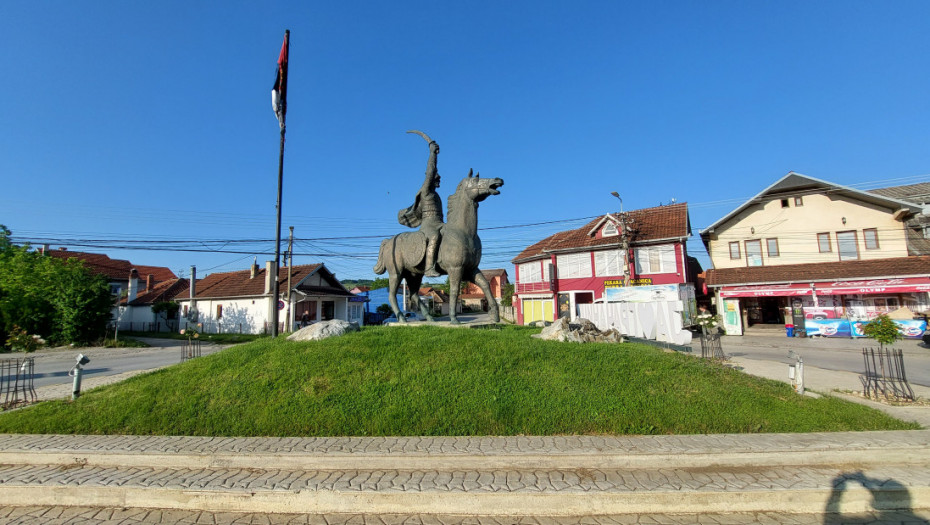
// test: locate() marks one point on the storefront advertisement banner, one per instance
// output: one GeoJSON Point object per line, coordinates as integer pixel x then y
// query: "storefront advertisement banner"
{"type": "Point", "coordinates": [911, 329]}
{"type": "Point", "coordinates": [870, 286]}
{"type": "Point", "coordinates": [642, 294]}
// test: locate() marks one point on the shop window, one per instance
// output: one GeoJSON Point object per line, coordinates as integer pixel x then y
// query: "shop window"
{"type": "Point", "coordinates": [754, 253]}
{"type": "Point", "coordinates": [772, 246]}
{"type": "Point", "coordinates": [870, 237]}
{"type": "Point", "coordinates": [847, 244]}
{"type": "Point", "coordinates": [799, 201]}
{"type": "Point", "coordinates": [734, 250]}
{"type": "Point", "coordinates": [823, 242]}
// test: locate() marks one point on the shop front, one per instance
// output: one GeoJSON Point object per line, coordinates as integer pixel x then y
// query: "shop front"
{"type": "Point", "coordinates": [830, 308]}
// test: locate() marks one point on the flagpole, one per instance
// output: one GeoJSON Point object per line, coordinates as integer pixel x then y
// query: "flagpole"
{"type": "Point", "coordinates": [277, 238]}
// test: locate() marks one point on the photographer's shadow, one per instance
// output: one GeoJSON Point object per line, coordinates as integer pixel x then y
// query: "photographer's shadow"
{"type": "Point", "coordinates": [891, 502]}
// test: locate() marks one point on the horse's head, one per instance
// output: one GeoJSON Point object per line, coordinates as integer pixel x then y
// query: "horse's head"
{"type": "Point", "coordinates": [478, 189]}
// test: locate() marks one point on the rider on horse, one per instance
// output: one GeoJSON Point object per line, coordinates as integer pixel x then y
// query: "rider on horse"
{"type": "Point", "coordinates": [426, 211]}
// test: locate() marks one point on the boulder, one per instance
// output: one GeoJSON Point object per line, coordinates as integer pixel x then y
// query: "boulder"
{"type": "Point", "coordinates": [584, 331]}
{"type": "Point", "coordinates": [322, 330]}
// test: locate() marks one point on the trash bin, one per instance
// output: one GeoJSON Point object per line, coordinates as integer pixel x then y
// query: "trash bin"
{"type": "Point", "coordinates": [789, 328]}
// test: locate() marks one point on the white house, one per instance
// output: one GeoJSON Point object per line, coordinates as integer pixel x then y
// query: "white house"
{"type": "Point", "coordinates": [242, 301]}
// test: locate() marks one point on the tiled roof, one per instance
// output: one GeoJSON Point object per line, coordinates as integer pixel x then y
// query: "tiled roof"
{"type": "Point", "coordinates": [241, 284]}
{"type": "Point", "coordinates": [492, 273]}
{"type": "Point", "coordinates": [114, 269]}
{"type": "Point", "coordinates": [788, 273]}
{"type": "Point", "coordinates": [163, 291]}
{"type": "Point", "coordinates": [647, 224]}
{"type": "Point", "coordinates": [917, 193]}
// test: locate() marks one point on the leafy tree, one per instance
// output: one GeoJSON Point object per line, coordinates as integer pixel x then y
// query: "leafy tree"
{"type": "Point", "coordinates": [507, 294]}
{"type": "Point", "coordinates": [170, 308]}
{"type": "Point", "coordinates": [384, 309]}
{"type": "Point", "coordinates": [58, 300]}
{"type": "Point", "coordinates": [380, 282]}
{"type": "Point", "coordinates": [883, 330]}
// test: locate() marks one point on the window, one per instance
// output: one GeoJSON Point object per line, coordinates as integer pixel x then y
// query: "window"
{"type": "Point", "coordinates": [531, 272]}
{"type": "Point", "coordinates": [734, 250]}
{"type": "Point", "coordinates": [610, 229]}
{"type": "Point", "coordinates": [772, 247]}
{"type": "Point", "coordinates": [799, 201]}
{"type": "Point", "coordinates": [655, 259]}
{"type": "Point", "coordinates": [219, 311]}
{"type": "Point", "coordinates": [784, 203]}
{"type": "Point", "coordinates": [848, 245]}
{"type": "Point", "coordinates": [574, 265]}
{"type": "Point", "coordinates": [926, 232]}
{"type": "Point", "coordinates": [823, 241]}
{"type": "Point", "coordinates": [754, 253]}
{"type": "Point", "coordinates": [871, 238]}
{"type": "Point", "coordinates": [608, 263]}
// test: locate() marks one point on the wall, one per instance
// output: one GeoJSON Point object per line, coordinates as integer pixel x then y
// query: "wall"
{"type": "Point", "coordinates": [796, 228]}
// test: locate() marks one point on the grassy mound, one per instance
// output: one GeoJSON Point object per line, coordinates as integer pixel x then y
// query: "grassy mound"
{"type": "Point", "coordinates": [435, 381]}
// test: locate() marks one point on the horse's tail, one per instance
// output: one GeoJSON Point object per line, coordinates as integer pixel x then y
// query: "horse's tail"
{"type": "Point", "coordinates": [380, 268]}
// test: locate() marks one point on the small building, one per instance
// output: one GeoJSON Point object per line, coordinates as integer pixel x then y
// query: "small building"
{"type": "Point", "coordinates": [473, 298]}
{"type": "Point", "coordinates": [242, 301]}
{"type": "Point", "coordinates": [819, 256]}
{"type": "Point", "coordinates": [645, 247]}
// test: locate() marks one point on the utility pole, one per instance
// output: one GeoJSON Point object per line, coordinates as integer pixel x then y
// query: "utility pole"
{"type": "Point", "coordinates": [290, 264]}
{"type": "Point", "coordinates": [624, 242]}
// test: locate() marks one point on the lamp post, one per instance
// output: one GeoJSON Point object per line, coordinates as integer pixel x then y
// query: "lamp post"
{"type": "Point", "coordinates": [624, 242]}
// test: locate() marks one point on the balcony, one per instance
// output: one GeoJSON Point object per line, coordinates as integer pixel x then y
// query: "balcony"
{"type": "Point", "coordinates": [532, 287]}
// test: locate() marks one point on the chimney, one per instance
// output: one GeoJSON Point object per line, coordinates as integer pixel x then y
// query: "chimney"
{"type": "Point", "coordinates": [133, 286]}
{"type": "Point", "coordinates": [193, 282]}
{"type": "Point", "coordinates": [149, 282]}
{"type": "Point", "coordinates": [270, 276]}
{"type": "Point", "coordinates": [254, 271]}
{"type": "Point", "coordinates": [44, 249]}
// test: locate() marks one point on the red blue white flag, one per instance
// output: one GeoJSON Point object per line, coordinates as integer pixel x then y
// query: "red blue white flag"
{"type": "Point", "coordinates": [279, 91]}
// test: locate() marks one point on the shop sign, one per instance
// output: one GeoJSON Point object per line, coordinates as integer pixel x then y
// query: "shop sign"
{"type": "Point", "coordinates": [909, 328]}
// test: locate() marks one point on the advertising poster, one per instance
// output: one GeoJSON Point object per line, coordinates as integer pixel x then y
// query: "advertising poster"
{"type": "Point", "coordinates": [911, 329]}
{"type": "Point", "coordinates": [642, 294]}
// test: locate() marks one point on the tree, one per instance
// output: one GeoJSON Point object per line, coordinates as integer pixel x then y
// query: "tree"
{"type": "Point", "coordinates": [380, 282]}
{"type": "Point", "coordinates": [384, 309]}
{"type": "Point", "coordinates": [883, 330]}
{"type": "Point", "coordinates": [507, 294]}
{"type": "Point", "coordinates": [58, 300]}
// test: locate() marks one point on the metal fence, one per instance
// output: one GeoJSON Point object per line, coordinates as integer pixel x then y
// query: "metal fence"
{"type": "Point", "coordinates": [16, 381]}
{"type": "Point", "coordinates": [711, 347]}
{"type": "Point", "coordinates": [884, 374]}
{"type": "Point", "coordinates": [190, 350]}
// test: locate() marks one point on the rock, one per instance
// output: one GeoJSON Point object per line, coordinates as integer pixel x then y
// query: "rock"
{"type": "Point", "coordinates": [322, 330]}
{"type": "Point", "coordinates": [584, 331]}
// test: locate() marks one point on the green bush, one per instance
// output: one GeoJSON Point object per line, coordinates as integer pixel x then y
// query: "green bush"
{"type": "Point", "coordinates": [882, 329]}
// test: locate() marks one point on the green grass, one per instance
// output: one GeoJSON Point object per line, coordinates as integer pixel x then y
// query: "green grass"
{"type": "Point", "coordinates": [123, 343]}
{"type": "Point", "coordinates": [435, 381]}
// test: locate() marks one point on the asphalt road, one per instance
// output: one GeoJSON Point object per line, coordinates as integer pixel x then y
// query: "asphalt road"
{"type": "Point", "coordinates": [52, 366]}
{"type": "Point", "coordinates": [830, 354]}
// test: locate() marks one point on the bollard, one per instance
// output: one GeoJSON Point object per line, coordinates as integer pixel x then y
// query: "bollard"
{"type": "Point", "coordinates": [796, 372]}
{"type": "Point", "coordinates": [77, 371]}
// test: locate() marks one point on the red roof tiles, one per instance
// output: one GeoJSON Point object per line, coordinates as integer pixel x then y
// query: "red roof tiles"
{"type": "Point", "coordinates": [647, 224]}
{"type": "Point", "coordinates": [114, 269]}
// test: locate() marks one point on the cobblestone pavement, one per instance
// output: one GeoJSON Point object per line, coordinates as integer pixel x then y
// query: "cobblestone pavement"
{"type": "Point", "coordinates": [111, 516]}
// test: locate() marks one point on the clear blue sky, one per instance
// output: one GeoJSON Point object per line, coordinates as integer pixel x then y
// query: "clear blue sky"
{"type": "Point", "coordinates": [152, 121]}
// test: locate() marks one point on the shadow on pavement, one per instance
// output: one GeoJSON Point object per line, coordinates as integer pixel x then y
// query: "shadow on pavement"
{"type": "Point", "coordinates": [891, 501]}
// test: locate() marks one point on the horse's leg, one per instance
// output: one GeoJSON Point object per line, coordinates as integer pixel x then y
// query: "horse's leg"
{"type": "Point", "coordinates": [393, 283]}
{"type": "Point", "coordinates": [455, 281]}
{"type": "Point", "coordinates": [482, 283]}
{"type": "Point", "coordinates": [414, 280]}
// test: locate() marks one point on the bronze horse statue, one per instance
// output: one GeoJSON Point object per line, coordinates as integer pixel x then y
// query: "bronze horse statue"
{"type": "Point", "coordinates": [403, 255]}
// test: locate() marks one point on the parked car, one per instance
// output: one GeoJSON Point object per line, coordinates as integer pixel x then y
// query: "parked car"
{"type": "Point", "coordinates": [410, 316]}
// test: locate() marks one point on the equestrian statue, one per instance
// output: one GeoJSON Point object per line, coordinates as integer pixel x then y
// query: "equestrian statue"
{"type": "Point", "coordinates": [438, 248]}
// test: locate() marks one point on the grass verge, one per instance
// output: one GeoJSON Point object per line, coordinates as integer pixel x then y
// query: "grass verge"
{"type": "Point", "coordinates": [435, 381]}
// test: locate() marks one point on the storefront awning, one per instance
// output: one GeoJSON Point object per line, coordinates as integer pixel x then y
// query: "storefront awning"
{"type": "Point", "coordinates": [870, 286]}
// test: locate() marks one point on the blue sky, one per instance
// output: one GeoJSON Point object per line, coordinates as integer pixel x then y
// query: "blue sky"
{"type": "Point", "coordinates": [137, 123]}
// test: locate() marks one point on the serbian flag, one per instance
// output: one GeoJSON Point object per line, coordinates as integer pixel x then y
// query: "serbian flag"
{"type": "Point", "coordinates": [279, 91]}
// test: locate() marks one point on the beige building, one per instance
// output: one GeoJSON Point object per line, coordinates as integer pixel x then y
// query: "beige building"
{"type": "Point", "coordinates": [832, 251]}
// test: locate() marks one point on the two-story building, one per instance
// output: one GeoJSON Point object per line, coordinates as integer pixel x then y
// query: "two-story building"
{"type": "Point", "coordinates": [805, 250]}
{"type": "Point", "coordinates": [617, 250]}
